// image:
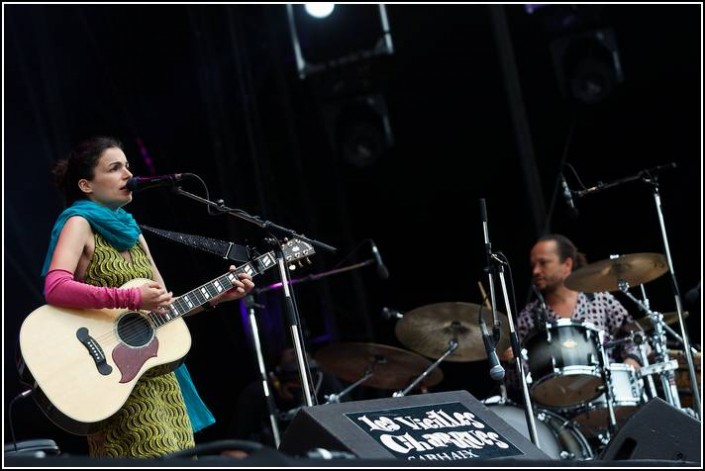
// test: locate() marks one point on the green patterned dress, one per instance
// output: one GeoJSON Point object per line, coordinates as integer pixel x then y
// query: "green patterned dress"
{"type": "Point", "coordinates": [153, 421]}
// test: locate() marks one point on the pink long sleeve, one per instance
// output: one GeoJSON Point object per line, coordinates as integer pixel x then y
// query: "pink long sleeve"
{"type": "Point", "coordinates": [60, 289]}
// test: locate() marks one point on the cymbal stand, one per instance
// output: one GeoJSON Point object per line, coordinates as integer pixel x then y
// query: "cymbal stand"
{"type": "Point", "coordinates": [335, 398]}
{"type": "Point", "coordinates": [639, 341]}
{"type": "Point", "coordinates": [492, 262]}
{"type": "Point", "coordinates": [452, 346]}
{"type": "Point", "coordinates": [668, 380]}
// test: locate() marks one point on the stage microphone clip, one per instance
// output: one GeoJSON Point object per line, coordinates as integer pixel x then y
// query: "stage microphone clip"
{"type": "Point", "coordinates": [136, 184]}
{"type": "Point", "coordinates": [568, 196]}
{"type": "Point", "coordinates": [382, 271]}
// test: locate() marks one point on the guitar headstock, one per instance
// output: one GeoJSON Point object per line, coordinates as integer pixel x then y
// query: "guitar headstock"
{"type": "Point", "coordinates": [296, 250]}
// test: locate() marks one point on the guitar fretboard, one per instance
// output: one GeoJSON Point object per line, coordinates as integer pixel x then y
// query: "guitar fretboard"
{"type": "Point", "coordinates": [292, 250]}
{"type": "Point", "coordinates": [204, 293]}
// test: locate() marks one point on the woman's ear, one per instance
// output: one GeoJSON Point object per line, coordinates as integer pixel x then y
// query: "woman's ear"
{"type": "Point", "coordinates": [85, 186]}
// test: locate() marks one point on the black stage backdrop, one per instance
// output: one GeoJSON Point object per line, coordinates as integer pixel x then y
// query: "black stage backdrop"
{"type": "Point", "coordinates": [478, 102]}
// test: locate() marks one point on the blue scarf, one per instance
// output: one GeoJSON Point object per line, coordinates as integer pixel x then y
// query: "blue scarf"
{"type": "Point", "coordinates": [119, 228]}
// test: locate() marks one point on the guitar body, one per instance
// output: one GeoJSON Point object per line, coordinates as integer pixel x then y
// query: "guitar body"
{"type": "Point", "coordinates": [86, 362]}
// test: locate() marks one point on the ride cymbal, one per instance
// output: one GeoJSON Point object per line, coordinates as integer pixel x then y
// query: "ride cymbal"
{"type": "Point", "coordinates": [391, 367]}
{"type": "Point", "coordinates": [605, 275]}
{"type": "Point", "coordinates": [429, 329]}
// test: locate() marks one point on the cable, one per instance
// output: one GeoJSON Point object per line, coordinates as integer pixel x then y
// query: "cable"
{"type": "Point", "coordinates": [21, 395]}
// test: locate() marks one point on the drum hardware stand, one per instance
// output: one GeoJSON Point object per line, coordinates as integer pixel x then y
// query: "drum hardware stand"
{"type": "Point", "coordinates": [452, 346]}
{"type": "Point", "coordinates": [251, 305]}
{"type": "Point", "coordinates": [640, 342]}
{"type": "Point", "coordinates": [335, 398]}
{"type": "Point", "coordinates": [668, 379]}
{"type": "Point", "coordinates": [516, 350]}
{"type": "Point", "coordinates": [273, 230]}
{"type": "Point", "coordinates": [606, 374]}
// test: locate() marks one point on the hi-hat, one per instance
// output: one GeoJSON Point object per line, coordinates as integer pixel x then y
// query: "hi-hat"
{"type": "Point", "coordinates": [428, 330]}
{"type": "Point", "coordinates": [668, 318]}
{"type": "Point", "coordinates": [605, 275]}
{"type": "Point", "coordinates": [391, 367]}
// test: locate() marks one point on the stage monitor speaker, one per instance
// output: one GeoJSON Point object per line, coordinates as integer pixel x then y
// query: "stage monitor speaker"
{"type": "Point", "coordinates": [657, 431]}
{"type": "Point", "coordinates": [429, 427]}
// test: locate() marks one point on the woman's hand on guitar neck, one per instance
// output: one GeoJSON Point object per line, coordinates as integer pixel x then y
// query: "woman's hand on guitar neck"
{"type": "Point", "coordinates": [241, 287]}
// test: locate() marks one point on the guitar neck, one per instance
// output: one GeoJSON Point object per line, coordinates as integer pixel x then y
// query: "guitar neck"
{"type": "Point", "coordinates": [188, 302]}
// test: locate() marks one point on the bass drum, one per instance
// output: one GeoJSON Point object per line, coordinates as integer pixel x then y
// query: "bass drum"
{"type": "Point", "coordinates": [558, 437]}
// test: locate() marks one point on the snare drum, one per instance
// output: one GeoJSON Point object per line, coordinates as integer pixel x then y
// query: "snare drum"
{"type": "Point", "coordinates": [627, 392]}
{"type": "Point", "coordinates": [558, 438]}
{"type": "Point", "coordinates": [563, 360]}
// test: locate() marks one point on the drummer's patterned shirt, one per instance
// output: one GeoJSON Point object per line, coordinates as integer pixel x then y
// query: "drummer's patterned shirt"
{"type": "Point", "coordinates": [601, 311]}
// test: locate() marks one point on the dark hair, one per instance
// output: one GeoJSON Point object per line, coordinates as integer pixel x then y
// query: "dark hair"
{"type": "Point", "coordinates": [566, 249]}
{"type": "Point", "coordinates": [80, 164]}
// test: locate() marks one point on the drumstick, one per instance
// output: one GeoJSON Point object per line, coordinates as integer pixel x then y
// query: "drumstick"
{"type": "Point", "coordinates": [484, 296]}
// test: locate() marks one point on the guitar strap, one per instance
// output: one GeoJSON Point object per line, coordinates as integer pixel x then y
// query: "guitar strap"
{"type": "Point", "coordinates": [227, 250]}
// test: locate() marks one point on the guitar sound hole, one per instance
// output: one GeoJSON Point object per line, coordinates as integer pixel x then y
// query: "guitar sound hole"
{"type": "Point", "coordinates": [134, 330]}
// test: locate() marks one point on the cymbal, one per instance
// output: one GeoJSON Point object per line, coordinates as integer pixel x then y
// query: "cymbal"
{"type": "Point", "coordinates": [635, 269]}
{"type": "Point", "coordinates": [668, 317]}
{"type": "Point", "coordinates": [428, 329]}
{"type": "Point", "coordinates": [392, 367]}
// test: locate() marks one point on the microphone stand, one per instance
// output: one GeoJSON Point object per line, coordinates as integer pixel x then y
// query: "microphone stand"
{"type": "Point", "coordinates": [649, 176]}
{"type": "Point", "coordinates": [274, 230]}
{"type": "Point", "coordinates": [491, 259]}
{"type": "Point", "coordinates": [251, 305]}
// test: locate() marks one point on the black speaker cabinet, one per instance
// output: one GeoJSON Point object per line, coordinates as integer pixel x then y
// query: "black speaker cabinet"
{"type": "Point", "coordinates": [428, 427]}
{"type": "Point", "coordinates": [657, 431]}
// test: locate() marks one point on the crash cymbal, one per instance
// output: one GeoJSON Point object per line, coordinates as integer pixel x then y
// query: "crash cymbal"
{"type": "Point", "coordinates": [668, 317]}
{"type": "Point", "coordinates": [635, 269]}
{"type": "Point", "coordinates": [428, 329]}
{"type": "Point", "coordinates": [392, 367]}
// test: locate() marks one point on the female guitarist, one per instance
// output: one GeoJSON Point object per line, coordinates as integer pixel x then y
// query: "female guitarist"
{"type": "Point", "coordinates": [95, 248]}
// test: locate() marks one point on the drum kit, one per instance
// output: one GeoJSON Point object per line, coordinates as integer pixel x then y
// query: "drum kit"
{"type": "Point", "coordinates": [581, 398]}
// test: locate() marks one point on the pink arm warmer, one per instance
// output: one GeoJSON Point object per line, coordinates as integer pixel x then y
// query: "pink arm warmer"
{"type": "Point", "coordinates": [60, 289]}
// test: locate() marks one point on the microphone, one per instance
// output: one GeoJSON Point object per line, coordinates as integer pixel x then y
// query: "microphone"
{"type": "Point", "coordinates": [142, 183]}
{"type": "Point", "coordinates": [568, 196]}
{"type": "Point", "coordinates": [382, 271]}
{"type": "Point", "coordinates": [496, 369]}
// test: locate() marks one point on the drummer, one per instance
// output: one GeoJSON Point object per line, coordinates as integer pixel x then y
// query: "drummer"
{"type": "Point", "coordinates": [553, 258]}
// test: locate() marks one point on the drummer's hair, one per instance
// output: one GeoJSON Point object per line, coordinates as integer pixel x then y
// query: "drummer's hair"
{"type": "Point", "coordinates": [566, 249]}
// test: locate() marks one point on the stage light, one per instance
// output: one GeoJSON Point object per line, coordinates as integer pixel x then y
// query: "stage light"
{"type": "Point", "coordinates": [319, 10]}
{"type": "Point", "coordinates": [351, 33]}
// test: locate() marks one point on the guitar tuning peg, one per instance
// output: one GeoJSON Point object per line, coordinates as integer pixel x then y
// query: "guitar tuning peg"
{"type": "Point", "coordinates": [308, 261]}
{"type": "Point", "coordinates": [301, 263]}
{"type": "Point", "coordinates": [292, 267]}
